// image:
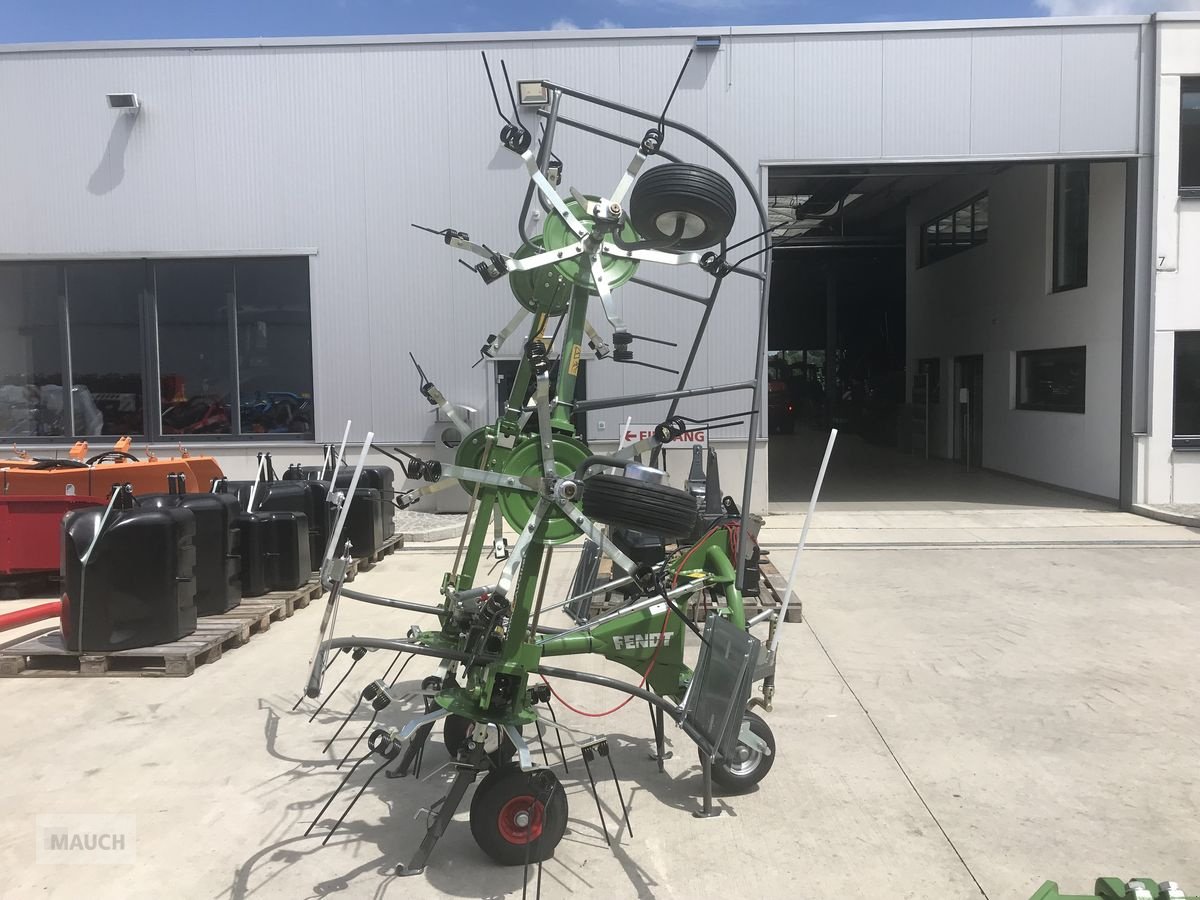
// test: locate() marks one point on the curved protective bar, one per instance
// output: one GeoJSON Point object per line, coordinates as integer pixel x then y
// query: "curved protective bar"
{"type": "Point", "coordinates": [314, 679]}
{"type": "Point", "coordinates": [671, 709]}
{"type": "Point", "coordinates": [395, 604]}
{"type": "Point", "coordinates": [600, 132]}
{"type": "Point", "coordinates": [590, 461]}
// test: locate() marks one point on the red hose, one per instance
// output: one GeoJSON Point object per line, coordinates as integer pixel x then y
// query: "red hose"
{"type": "Point", "coordinates": [30, 614]}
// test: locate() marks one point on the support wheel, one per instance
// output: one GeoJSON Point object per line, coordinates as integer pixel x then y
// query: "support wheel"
{"type": "Point", "coordinates": [685, 206]}
{"type": "Point", "coordinates": [656, 509]}
{"type": "Point", "coordinates": [518, 816]}
{"type": "Point", "coordinates": [748, 766]}
{"type": "Point", "coordinates": [456, 729]}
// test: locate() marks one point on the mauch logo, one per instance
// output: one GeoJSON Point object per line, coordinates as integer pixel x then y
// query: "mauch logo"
{"type": "Point", "coordinates": [641, 641]}
{"type": "Point", "coordinates": [86, 839]}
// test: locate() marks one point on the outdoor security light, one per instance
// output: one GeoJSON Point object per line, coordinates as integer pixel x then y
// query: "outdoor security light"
{"type": "Point", "coordinates": [123, 102]}
{"type": "Point", "coordinates": [709, 43]}
{"type": "Point", "coordinates": [533, 93]}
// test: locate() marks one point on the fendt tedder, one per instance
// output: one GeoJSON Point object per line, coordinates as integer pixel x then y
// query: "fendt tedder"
{"type": "Point", "coordinates": [534, 466]}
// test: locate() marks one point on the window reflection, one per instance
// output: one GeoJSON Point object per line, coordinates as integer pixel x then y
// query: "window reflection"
{"type": "Point", "coordinates": [274, 346]}
{"type": "Point", "coordinates": [194, 302]}
{"type": "Point", "coordinates": [106, 346]}
{"type": "Point", "coordinates": [31, 351]}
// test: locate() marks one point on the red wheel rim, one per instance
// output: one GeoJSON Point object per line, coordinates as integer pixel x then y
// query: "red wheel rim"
{"type": "Point", "coordinates": [517, 810]}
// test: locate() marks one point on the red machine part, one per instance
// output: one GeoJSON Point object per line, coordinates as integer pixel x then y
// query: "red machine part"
{"type": "Point", "coordinates": [29, 531]}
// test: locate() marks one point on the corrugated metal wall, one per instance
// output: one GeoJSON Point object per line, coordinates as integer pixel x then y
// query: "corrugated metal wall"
{"type": "Point", "coordinates": [335, 149]}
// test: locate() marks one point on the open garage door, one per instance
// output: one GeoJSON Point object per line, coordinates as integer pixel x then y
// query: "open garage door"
{"type": "Point", "coordinates": [960, 324]}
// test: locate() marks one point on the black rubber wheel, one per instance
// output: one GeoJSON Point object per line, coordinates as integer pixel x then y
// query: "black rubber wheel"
{"type": "Point", "coordinates": [667, 194]}
{"type": "Point", "coordinates": [498, 745]}
{"type": "Point", "coordinates": [519, 816]}
{"type": "Point", "coordinates": [748, 767]}
{"type": "Point", "coordinates": [656, 509]}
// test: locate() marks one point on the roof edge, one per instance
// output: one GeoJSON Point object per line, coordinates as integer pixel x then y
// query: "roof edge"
{"type": "Point", "coordinates": [503, 37]}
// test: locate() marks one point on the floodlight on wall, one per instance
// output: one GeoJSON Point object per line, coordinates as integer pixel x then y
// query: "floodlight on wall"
{"type": "Point", "coordinates": [124, 102]}
{"type": "Point", "coordinates": [533, 93]}
{"type": "Point", "coordinates": [711, 43]}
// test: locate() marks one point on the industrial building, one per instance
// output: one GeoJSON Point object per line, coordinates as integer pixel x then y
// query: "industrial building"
{"type": "Point", "coordinates": [984, 244]}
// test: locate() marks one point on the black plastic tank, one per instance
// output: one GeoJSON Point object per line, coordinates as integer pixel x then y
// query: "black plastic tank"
{"type": "Point", "coordinates": [286, 558]}
{"type": "Point", "coordinates": [218, 560]}
{"type": "Point", "coordinates": [364, 523]}
{"type": "Point", "coordinates": [138, 588]}
{"type": "Point", "coordinates": [382, 478]}
{"type": "Point", "coordinates": [304, 497]}
{"type": "Point", "coordinates": [252, 552]}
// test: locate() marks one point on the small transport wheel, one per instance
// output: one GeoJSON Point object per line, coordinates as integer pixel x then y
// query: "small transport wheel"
{"type": "Point", "coordinates": [518, 816]}
{"type": "Point", "coordinates": [675, 196]}
{"type": "Point", "coordinates": [748, 766]}
{"type": "Point", "coordinates": [499, 747]}
{"type": "Point", "coordinates": [656, 509]}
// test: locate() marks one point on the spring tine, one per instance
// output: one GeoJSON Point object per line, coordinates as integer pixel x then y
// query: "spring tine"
{"type": "Point", "coordinates": [558, 735]}
{"type": "Point", "coordinates": [345, 721]}
{"type": "Point", "coordinates": [587, 751]}
{"type": "Point", "coordinates": [620, 795]}
{"type": "Point", "coordinates": [379, 768]}
{"type": "Point", "coordinates": [334, 794]}
{"type": "Point", "coordinates": [361, 735]}
{"type": "Point", "coordinates": [334, 691]}
{"type": "Point", "coordinates": [541, 733]}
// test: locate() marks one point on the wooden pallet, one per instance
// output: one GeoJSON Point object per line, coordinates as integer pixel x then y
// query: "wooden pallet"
{"type": "Point", "coordinates": [390, 546]}
{"type": "Point", "coordinates": [45, 655]}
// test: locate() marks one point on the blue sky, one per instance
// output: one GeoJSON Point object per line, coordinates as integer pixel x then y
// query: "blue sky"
{"type": "Point", "coordinates": [62, 20]}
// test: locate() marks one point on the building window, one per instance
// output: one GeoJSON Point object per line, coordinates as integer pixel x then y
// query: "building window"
{"type": "Point", "coordinates": [228, 343]}
{"type": "Point", "coordinates": [961, 228]}
{"type": "Point", "coordinates": [1187, 389]}
{"type": "Point", "coordinates": [1052, 380]}
{"type": "Point", "coordinates": [1071, 186]}
{"type": "Point", "coordinates": [1189, 138]}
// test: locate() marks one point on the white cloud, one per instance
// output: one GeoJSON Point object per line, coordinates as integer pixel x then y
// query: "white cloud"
{"type": "Point", "coordinates": [569, 25]}
{"type": "Point", "coordinates": [1115, 7]}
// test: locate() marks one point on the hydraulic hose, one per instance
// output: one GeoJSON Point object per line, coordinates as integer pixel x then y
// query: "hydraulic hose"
{"type": "Point", "coordinates": [30, 614]}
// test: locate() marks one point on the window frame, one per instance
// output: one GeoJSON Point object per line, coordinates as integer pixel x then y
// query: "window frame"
{"type": "Point", "coordinates": [1180, 441]}
{"type": "Point", "coordinates": [1188, 84]}
{"type": "Point", "coordinates": [1021, 355]}
{"type": "Point", "coordinates": [951, 247]}
{"type": "Point", "coordinates": [1058, 284]}
{"type": "Point", "coordinates": [150, 362]}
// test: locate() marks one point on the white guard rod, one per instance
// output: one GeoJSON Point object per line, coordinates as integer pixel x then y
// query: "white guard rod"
{"type": "Point", "coordinates": [331, 547]}
{"type": "Point", "coordinates": [337, 463]}
{"type": "Point", "coordinates": [262, 464]}
{"type": "Point", "coordinates": [812, 508]}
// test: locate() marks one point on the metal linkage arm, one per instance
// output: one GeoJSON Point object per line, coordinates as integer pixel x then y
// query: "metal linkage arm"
{"type": "Point", "coordinates": [543, 259]}
{"type": "Point", "coordinates": [491, 479]}
{"type": "Point", "coordinates": [655, 256]}
{"type": "Point", "coordinates": [626, 181]}
{"type": "Point", "coordinates": [548, 191]}
{"type": "Point", "coordinates": [504, 585]}
{"type": "Point", "coordinates": [593, 531]}
{"type": "Point", "coordinates": [606, 297]}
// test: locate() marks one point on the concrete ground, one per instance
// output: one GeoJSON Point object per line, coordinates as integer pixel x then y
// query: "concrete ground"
{"type": "Point", "coordinates": [950, 720]}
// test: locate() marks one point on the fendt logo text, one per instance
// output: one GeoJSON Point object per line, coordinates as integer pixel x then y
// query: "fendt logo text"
{"type": "Point", "coordinates": [640, 641]}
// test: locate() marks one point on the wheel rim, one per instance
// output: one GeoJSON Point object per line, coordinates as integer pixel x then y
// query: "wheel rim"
{"type": "Point", "coordinates": [520, 820]}
{"type": "Point", "coordinates": [743, 761]}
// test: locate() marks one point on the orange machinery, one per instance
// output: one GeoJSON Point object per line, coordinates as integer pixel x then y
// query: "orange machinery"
{"type": "Point", "coordinates": [83, 476]}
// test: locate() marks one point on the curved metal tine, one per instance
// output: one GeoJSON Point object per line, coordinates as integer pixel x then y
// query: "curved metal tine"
{"type": "Point", "coordinates": [383, 765]}
{"type": "Point", "coordinates": [573, 733]}
{"type": "Point", "coordinates": [336, 687]}
{"type": "Point", "coordinates": [606, 297]}
{"type": "Point", "coordinates": [362, 734]}
{"type": "Point", "coordinates": [337, 790]}
{"type": "Point", "coordinates": [541, 733]}
{"type": "Point", "coordinates": [412, 725]}
{"type": "Point", "coordinates": [518, 740]}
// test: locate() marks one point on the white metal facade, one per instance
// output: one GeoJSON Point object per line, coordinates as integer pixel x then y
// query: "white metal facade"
{"type": "Point", "coordinates": [332, 147]}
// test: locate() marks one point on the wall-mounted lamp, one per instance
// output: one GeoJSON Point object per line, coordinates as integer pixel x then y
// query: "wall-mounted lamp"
{"type": "Point", "coordinates": [709, 43]}
{"type": "Point", "coordinates": [532, 93]}
{"type": "Point", "coordinates": [124, 102]}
